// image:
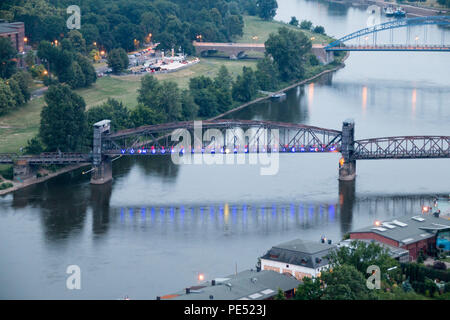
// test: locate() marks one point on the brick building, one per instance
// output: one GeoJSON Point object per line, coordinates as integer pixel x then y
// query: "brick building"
{"type": "Point", "coordinates": [15, 31]}
{"type": "Point", "coordinates": [415, 234]}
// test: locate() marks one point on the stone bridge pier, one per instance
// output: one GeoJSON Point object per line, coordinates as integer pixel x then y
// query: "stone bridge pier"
{"type": "Point", "coordinates": [102, 165]}
{"type": "Point", "coordinates": [347, 165]}
{"type": "Point", "coordinates": [23, 171]}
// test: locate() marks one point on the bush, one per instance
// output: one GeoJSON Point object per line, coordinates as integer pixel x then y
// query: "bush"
{"type": "Point", "coordinates": [306, 25]}
{"type": "Point", "coordinates": [7, 173]}
{"type": "Point", "coordinates": [319, 29]}
{"type": "Point", "coordinates": [5, 185]}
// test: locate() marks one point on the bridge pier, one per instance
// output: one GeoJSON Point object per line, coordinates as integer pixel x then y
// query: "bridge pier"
{"type": "Point", "coordinates": [102, 172]}
{"type": "Point", "coordinates": [23, 171]}
{"type": "Point", "coordinates": [347, 165]}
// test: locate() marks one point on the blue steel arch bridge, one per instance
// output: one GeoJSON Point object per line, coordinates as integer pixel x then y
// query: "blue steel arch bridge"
{"type": "Point", "coordinates": [367, 39]}
{"type": "Point", "coordinates": [233, 136]}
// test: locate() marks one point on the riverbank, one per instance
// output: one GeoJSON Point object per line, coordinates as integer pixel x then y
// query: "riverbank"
{"type": "Point", "coordinates": [21, 185]}
{"type": "Point", "coordinates": [296, 84]}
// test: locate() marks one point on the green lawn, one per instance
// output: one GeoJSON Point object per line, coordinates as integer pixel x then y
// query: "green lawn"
{"type": "Point", "coordinates": [255, 26]}
{"type": "Point", "coordinates": [23, 124]}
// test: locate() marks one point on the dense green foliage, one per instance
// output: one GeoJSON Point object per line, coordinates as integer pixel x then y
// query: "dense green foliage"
{"type": "Point", "coordinates": [288, 49]}
{"type": "Point", "coordinates": [63, 122]}
{"type": "Point", "coordinates": [267, 9]}
{"type": "Point", "coordinates": [13, 84]}
{"type": "Point", "coordinates": [7, 53]}
{"type": "Point", "coordinates": [68, 61]}
{"type": "Point", "coordinates": [118, 23]}
{"type": "Point", "coordinates": [118, 60]}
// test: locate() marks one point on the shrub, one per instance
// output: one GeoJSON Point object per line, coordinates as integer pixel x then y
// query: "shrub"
{"type": "Point", "coordinates": [5, 185]}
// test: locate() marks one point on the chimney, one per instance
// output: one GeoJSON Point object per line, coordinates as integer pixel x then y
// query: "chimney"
{"type": "Point", "coordinates": [329, 241]}
{"type": "Point", "coordinates": [188, 290]}
{"type": "Point", "coordinates": [158, 298]}
{"type": "Point", "coordinates": [211, 297]}
{"type": "Point", "coordinates": [213, 282]}
{"type": "Point", "coordinates": [322, 240]}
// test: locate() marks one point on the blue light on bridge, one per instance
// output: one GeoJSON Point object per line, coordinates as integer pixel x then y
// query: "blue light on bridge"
{"type": "Point", "coordinates": [123, 151]}
{"type": "Point", "coordinates": [132, 151]}
{"type": "Point", "coordinates": [163, 151]}
{"type": "Point", "coordinates": [302, 149]}
{"type": "Point", "coordinates": [293, 149]}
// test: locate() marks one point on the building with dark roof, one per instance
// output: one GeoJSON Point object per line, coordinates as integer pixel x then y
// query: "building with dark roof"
{"type": "Point", "coordinates": [298, 257]}
{"type": "Point", "coordinates": [415, 234]}
{"type": "Point", "coordinates": [15, 31]}
{"type": "Point", "coordinates": [245, 285]}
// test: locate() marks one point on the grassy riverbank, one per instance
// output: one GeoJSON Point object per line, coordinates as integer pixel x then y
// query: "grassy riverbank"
{"type": "Point", "coordinates": [21, 125]}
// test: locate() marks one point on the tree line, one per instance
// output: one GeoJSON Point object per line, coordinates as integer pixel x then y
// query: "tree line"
{"type": "Point", "coordinates": [346, 277]}
{"type": "Point", "coordinates": [65, 125]}
{"type": "Point", "coordinates": [130, 23]}
{"type": "Point", "coordinates": [14, 84]}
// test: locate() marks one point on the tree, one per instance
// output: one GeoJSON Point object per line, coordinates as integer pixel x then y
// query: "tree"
{"type": "Point", "coordinates": [293, 22]}
{"type": "Point", "coordinates": [168, 101]}
{"type": "Point", "coordinates": [361, 255]}
{"type": "Point", "coordinates": [267, 9]}
{"type": "Point", "coordinates": [7, 54]}
{"type": "Point", "coordinates": [16, 91]}
{"type": "Point", "coordinates": [246, 86]}
{"type": "Point", "coordinates": [63, 122]}
{"type": "Point", "coordinates": [118, 60]}
{"type": "Point", "coordinates": [306, 25]}
{"type": "Point", "coordinates": [146, 93]}
{"type": "Point", "coordinates": [310, 289]}
{"type": "Point", "coordinates": [319, 29]}
{"type": "Point", "coordinates": [204, 92]}
{"type": "Point", "coordinates": [23, 78]}
{"type": "Point", "coordinates": [77, 79]}
{"type": "Point", "coordinates": [344, 282]}
{"type": "Point", "coordinates": [280, 295]}
{"type": "Point", "coordinates": [267, 74]}
{"type": "Point", "coordinates": [77, 41]}
{"type": "Point", "coordinates": [288, 49]}
{"type": "Point", "coordinates": [223, 83]}
{"type": "Point", "coordinates": [7, 101]}
{"type": "Point", "coordinates": [88, 70]}
{"type": "Point", "coordinates": [34, 146]}
{"type": "Point", "coordinates": [112, 110]}
{"type": "Point", "coordinates": [189, 107]}
{"type": "Point", "coordinates": [30, 58]}
{"type": "Point", "coordinates": [144, 115]}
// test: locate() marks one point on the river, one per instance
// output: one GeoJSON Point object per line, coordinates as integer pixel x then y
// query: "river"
{"type": "Point", "coordinates": [158, 224]}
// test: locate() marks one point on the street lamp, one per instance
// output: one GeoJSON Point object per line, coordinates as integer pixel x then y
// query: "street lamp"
{"type": "Point", "coordinates": [56, 42]}
{"type": "Point", "coordinates": [95, 43]}
{"type": "Point", "coordinates": [25, 39]}
{"type": "Point", "coordinates": [417, 39]}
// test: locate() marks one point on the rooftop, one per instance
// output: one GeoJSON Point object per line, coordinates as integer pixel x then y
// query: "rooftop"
{"type": "Point", "coordinates": [310, 254]}
{"type": "Point", "coordinates": [10, 27]}
{"type": "Point", "coordinates": [245, 285]}
{"type": "Point", "coordinates": [407, 229]}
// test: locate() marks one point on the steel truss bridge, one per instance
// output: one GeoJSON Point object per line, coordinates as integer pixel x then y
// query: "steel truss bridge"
{"type": "Point", "coordinates": [341, 45]}
{"type": "Point", "coordinates": [240, 136]}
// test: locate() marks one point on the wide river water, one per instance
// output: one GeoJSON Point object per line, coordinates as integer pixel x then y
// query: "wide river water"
{"type": "Point", "coordinates": [158, 225]}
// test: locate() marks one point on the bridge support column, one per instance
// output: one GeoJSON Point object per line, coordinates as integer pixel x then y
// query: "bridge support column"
{"type": "Point", "coordinates": [347, 165]}
{"type": "Point", "coordinates": [22, 171]}
{"type": "Point", "coordinates": [102, 172]}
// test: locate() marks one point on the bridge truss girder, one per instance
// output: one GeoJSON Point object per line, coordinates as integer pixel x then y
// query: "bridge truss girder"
{"type": "Point", "coordinates": [407, 147]}
{"type": "Point", "coordinates": [398, 23]}
{"type": "Point", "coordinates": [239, 136]}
